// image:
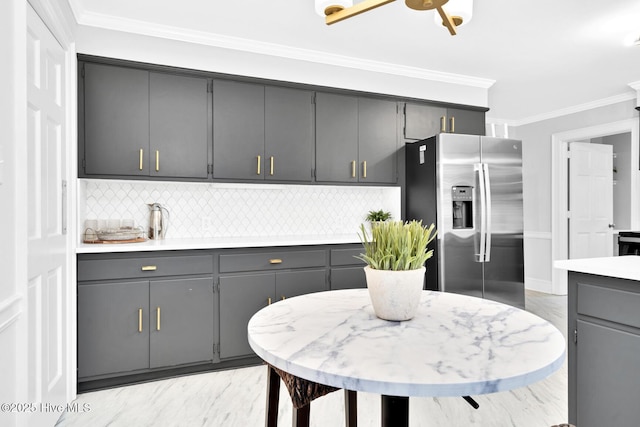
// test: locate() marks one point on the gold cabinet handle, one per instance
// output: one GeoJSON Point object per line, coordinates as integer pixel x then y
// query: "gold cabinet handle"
{"type": "Point", "coordinates": [141, 157]}
{"type": "Point", "coordinates": [443, 124]}
{"type": "Point", "coordinates": [364, 169]}
{"type": "Point", "coordinates": [269, 301]}
{"type": "Point", "coordinates": [157, 160]}
{"type": "Point", "coordinates": [283, 298]}
{"type": "Point", "coordinates": [353, 169]}
{"type": "Point", "coordinates": [275, 261]}
{"type": "Point", "coordinates": [258, 170]}
{"type": "Point", "coordinates": [452, 124]}
{"type": "Point", "coordinates": [157, 318]}
{"type": "Point", "coordinates": [149, 268]}
{"type": "Point", "coordinates": [271, 163]}
{"type": "Point", "coordinates": [139, 320]}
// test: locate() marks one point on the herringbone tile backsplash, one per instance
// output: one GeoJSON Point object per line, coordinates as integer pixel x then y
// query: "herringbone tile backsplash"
{"type": "Point", "coordinates": [237, 210]}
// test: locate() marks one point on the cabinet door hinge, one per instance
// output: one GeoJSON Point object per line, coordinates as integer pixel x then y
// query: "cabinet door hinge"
{"type": "Point", "coordinates": [313, 98]}
{"type": "Point", "coordinates": [210, 86]}
{"type": "Point", "coordinates": [216, 348]}
{"type": "Point", "coordinates": [575, 335]}
{"type": "Point", "coordinates": [216, 287]}
{"type": "Point", "coordinates": [84, 165]}
{"type": "Point", "coordinates": [82, 71]}
{"type": "Point", "coordinates": [209, 169]}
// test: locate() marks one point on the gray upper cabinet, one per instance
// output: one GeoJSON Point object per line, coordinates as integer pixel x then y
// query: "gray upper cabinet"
{"type": "Point", "coordinates": [467, 122]}
{"type": "Point", "coordinates": [262, 133]}
{"type": "Point", "coordinates": [138, 123]}
{"type": "Point", "coordinates": [288, 145]}
{"type": "Point", "coordinates": [336, 138]}
{"type": "Point", "coordinates": [423, 121]}
{"type": "Point", "coordinates": [356, 139]}
{"type": "Point", "coordinates": [377, 140]}
{"type": "Point", "coordinates": [116, 120]}
{"type": "Point", "coordinates": [180, 133]}
{"type": "Point", "coordinates": [238, 130]}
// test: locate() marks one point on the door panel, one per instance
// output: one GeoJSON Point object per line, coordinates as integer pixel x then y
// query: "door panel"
{"type": "Point", "coordinates": [184, 332]}
{"type": "Point", "coordinates": [288, 134]}
{"type": "Point", "coordinates": [293, 283]}
{"type": "Point", "coordinates": [109, 335]}
{"type": "Point", "coordinates": [458, 269]}
{"type": "Point", "coordinates": [116, 95]}
{"type": "Point", "coordinates": [504, 271]}
{"type": "Point", "coordinates": [377, 140]}
{"type": "Point", "coordinates": [47, 289]}
{"type": "Point", "coordinates": [179, 126]}
{"type": "Point", "coordinates": [336, 138]}
{"type": "Point", "coordinates": [240, 298]}
{"type": "Point", "coordinates": [608, 382]}
{"type": "Point", "coordinates": [590, 200]}
{"type": "Point", "coordinates": [423, 121]}
{"type": "Point", "coordinates": [238, 130]}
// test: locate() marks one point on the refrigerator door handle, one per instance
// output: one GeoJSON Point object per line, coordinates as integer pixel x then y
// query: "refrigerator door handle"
{"type": "Point", "coordinates": [487, 255]}
{"type": "Point", "coordinates": [479, 170]}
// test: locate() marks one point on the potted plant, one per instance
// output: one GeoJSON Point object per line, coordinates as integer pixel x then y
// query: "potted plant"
{"type": "Point", "coordinates": [395, 254]}
{"type": "Point", "coordinates": [376, 216]}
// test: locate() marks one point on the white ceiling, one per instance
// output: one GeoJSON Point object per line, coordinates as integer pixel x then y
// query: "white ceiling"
{"type": "Point", "coordinates": [544, 56]}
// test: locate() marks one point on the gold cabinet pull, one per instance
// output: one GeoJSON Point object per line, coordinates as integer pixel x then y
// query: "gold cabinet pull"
{"type": "Point", "coordinates": [269, 301]}
{"type": "Point", "coordinates": [353, 169]}
{"type": "Point", "coordinates": [157, 160]}
{"type": "Point", "coordinates": [452, 124]}
{"type": "Point", "coordinates": [149, 268]}
{"type": "Point", "coordinates": [443, 124]}
{"type": "Point", "coordinates": [364, 169]}
{"type": "Point", "coordinates": [157, 318]}
{"type": "Point", "coordinates": [141, 157]}
{"type": "Point", "coordinates": [275, 261]}
{"type": "Point", "coordinates": [271, 163]}
{"type": "Point", "coordinates": [258, 170]}
{"type": "Point", "coordinates": [139, 320]}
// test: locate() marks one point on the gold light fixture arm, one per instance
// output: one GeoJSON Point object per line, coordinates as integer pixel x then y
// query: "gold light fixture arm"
{"type": "Point", "coordinates": [354, 10]}
{"type": "Point", "coordinates": [447, 21]}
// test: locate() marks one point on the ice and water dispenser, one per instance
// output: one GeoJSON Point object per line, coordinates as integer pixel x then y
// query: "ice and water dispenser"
{"type": "Point", "coordinates": [462, 200]}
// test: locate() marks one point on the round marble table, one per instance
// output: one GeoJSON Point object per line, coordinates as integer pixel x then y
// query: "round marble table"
{"type": "Point", "coordinates": [455, 346]}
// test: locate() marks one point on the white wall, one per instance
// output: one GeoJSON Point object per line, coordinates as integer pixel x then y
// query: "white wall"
{"type": "Point", "coordinates": [12, 205]}
{"type": "Point", "coordinates": [156, 50]}
{"type": "Point", "coordinates": [537, 154]}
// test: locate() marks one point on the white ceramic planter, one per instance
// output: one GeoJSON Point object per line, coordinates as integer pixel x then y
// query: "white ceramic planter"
{"type": "Point", "coordinates": [395, 294]}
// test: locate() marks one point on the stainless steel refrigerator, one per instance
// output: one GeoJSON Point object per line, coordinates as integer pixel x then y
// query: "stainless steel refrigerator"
{"type": "Point", "coordinates": [471, 187]}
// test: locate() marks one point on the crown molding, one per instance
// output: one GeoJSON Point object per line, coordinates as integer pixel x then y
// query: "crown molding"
{"type": "Point", "coordinates": [623, 97]}
{"type": "Point", "coordinates": [254, 46]}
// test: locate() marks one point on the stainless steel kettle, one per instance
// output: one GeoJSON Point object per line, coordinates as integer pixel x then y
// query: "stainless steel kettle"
{"type": "Point", "coordinates": [158, 224]}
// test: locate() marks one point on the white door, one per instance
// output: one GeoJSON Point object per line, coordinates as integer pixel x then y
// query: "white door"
{"type": "Point", "coordinates": [590, 200]}
{"type": "Point", "coordinates": [47, 244]}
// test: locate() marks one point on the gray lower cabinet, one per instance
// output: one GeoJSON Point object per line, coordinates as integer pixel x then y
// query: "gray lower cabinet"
{"type": "Point", "coordinates": [139, 314]}
{"type": "Point", "coordinates": [241, 296]}
{"type": "Point", "coordinates": [356, 139]}
{"type": "Point", "coordinates": [347, 271]}
{"type": "Point", "coordinates": [113, 328]}
{"type": "Point", "coordinates": [134, 122]}
{"type": "Point", "coordinates": [604, 331]}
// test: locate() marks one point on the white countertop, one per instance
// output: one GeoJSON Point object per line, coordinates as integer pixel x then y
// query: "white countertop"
{"type": "Point", "coordinates": [622, 267]}
{"type": "Point", "coordinates": [217, 243]}
{"type": "Point", "coordinates": [456, 345]}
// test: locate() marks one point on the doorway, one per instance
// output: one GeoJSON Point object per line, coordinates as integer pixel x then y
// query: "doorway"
{"type": "Point", "coordinates": [626, 133]}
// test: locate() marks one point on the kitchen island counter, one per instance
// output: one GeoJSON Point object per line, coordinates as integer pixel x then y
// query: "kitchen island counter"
{"type": "Point", "coordinates": [217, 243]}
{"type": "Point", "coordinates": [620, 267]}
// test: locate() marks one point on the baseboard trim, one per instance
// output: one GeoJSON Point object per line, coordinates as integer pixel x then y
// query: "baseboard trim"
{"type": "Point", "coordinates": [538, 285]}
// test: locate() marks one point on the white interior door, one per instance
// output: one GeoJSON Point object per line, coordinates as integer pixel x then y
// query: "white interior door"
{"type": "Point", "coordinates": [590, 200]}
{"type": "Point", "coordinates": [47, 241]}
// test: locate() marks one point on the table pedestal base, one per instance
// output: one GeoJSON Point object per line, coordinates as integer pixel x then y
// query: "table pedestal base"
{"type": "Point", "coordinates": [395, 411]}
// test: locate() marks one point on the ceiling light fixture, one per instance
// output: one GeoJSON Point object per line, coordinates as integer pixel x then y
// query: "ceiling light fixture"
{"type": "Point", "coordinates": [338, 10]}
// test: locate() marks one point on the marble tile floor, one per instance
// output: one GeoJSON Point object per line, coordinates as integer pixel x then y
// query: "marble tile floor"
{"type": "Point", "coordinates": [236, 398]}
